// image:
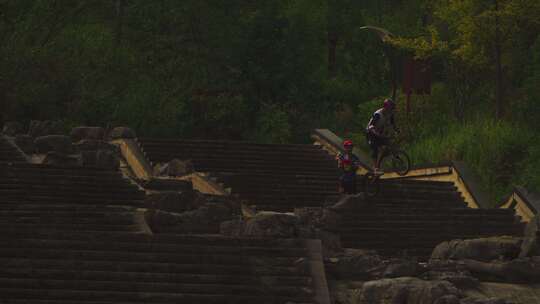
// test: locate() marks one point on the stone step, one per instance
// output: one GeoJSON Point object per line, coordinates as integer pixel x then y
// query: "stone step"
{"type": "Point", "coordinates": [430, 209]}
{"type": "Point", "coordinates": [80, 219]}
{"type": "Point", "coordinates": [436, 218]}
{"type": "Point", "coordinates": [217, 145]}
{"type": "Point", "coordinates": [257, 178]}
{"type": "Point", "coordinates": [30, 293]}
{"type": "Point", "coordinates": [382, 197]}
{"type": "Point", "coordinates": [238, 156]}
{"type": "Point", "coordinates": [154, 247]}
{"type": "Point", "coordinates": [256, 169]}
{"type": "Point", "coordinates": [418, 234]}
{"type": "Point", "coordinates": [24, 169]}
{"type": "Point", "coordinates": [154, 257]}
{"type": "Point", "coordinates": [409, 232]}
{"type": "Point", "coordinates": [157, 268]}
{"type": "Point", "coordinates": [159, 277]}
{"type": "Point", "coordinates": [375, 206]}
{"type": "Point", "coordinates": [116, 183]}
{"type": "Point", "coordinates": [66, 190]}
{"type": "Point", "coordinates": [455, 223]}
{"type": "Point", "coordinates": [59, 200]}
{"type": "Point", "coordinates": [5, 225]}
{"type": "Point", "coordinates": [155, 287]}
{"type": "Point", "coordinates": [19, 206]}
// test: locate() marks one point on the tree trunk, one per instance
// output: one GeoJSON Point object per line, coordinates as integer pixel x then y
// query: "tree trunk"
{"type": "Point", "coordinates": [499, 90]}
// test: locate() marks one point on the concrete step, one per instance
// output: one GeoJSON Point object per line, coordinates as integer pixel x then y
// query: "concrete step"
{"type": "Point", "coordinates": [59, 200]}
{"type": "Point", "coordinates": [145, 297]}
{"type": "Point", "coordinates": [216, 145]}
{"type": "Point", "coordinates": [157, 268]}
{"type": "Point", "coordinates": [154, 247]}
{"type": "Point", "coordinates": [154, 287]}
{"type": "Point", "coordinates": [5, 225]}
{"type": "Point", "coordinates": [151, 277]}
{"type": "Point", "coordinates": [97, 192]}
{"type": "Point", "coordinates": [79, 219]}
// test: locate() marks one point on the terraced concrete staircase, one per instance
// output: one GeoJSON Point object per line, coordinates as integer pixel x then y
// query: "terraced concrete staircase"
{"type": "Point", "coordinates": [9, 153]}
{"type": "Point", "coordinates": [270, 176]}
{"type": "Point", "coordinates": [72, 235]}
{"type": "Point", "coordinates": [412, 217]}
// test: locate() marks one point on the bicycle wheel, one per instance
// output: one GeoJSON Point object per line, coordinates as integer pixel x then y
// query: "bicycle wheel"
{"type": "Point", "coordinates": [371, 184]}
{"type": "Point", "coordinates": [400, 162]}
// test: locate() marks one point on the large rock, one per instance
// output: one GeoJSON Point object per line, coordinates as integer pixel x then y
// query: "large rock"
{"type": "Point", "coordinates": [355, 264]}
{"type": "Point", "coordinates": [122, 132]}
{"type": "Point", "coordinates": [88, 133]}
{"type": "Point", "coordinates": [53, 143]}
{"type": "Point", "coordinates": [174, 167]}
{"type": "Point", "coordinates": [166, 184]}
{"type": "Point", "coordinates": [530, 246]}
{"type": "Point", "coordinates": [408, 290]}
{"type": "Point", "coordinates": [25, 143]}
{"type": "Point", "coordinates": [471, 300]}
{"type": "Point", "coordinates": [12, 128]}
{"type": "Point", "coordinates": [62, 160]}
{"type": "Point", "coordinates": [452, 271]}
{"type": "Point", "coordinates": [94, 145]}
{"type": "Point", "coordinates": [402, 268]}
{"type": "Point", "coordinates": [174, 201]}
{"type": "Point", "coordinates": [205, 219]}
{"type": "Point", "coordinates": [317, 217]}
{"type": "Point", "coordinates": [521, 270]}
{"type": "Point", "coordinates": [43, 128]}
{"type": "Point", "coordinates": [482, 249]}
{"type": "Point", "coordinates": [272, 224]}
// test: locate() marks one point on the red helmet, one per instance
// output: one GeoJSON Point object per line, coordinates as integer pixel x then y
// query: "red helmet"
{"type": "Point", "coordinates": [389, 104]}
{"type": "Point", "coordinates": [348, 143]}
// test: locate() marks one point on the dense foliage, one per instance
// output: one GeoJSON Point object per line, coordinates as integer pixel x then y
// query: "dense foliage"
{"type": "Point", "coordinates": [271, 71]}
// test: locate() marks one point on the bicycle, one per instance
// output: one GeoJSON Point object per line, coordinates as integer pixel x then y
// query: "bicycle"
{"type": "Point", "coordinates": [393, 159]}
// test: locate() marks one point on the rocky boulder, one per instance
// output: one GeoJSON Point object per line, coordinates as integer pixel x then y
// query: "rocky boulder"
{"type": "Point", "coordinates": [482, 249]}
{"type": "Point", "coordinates": [174, 167]}
{"type": "Point", "coordinates": [410, 291]}
{"type": "Point", "coordinates": [470, 300]}
{"type": "Point", "coordinates": [272, 224]}
{"type": "Point", "coordinates": [530, 245]}
{"type": "Point", "coordinates": [53, 143]}
{"type": "Point", "coordinates": [520, 270]}
{"type": "Point", "coordinates": [62, 160]}
{"type": "Point", "coordinates": [88, 133]}
{"type": "Point", "coordinates": [122, 132]}
{"type": "Point", "coordinates": [317, 217]}
{"type": "Point", "coordinates": [452, 271]}
{"type": "Point", "coordinates": [166, 184]}
{"type": "Point", "coordinates": [94, 145]}
{"type": "Point", "coordinates": [205, 219]}
{"type": "Point", "coordinates": [174, 201]}
{"type": "Point", "coordinates": [355, 264]}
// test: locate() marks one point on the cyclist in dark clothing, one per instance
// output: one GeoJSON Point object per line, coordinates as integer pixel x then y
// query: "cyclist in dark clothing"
{"type": "Point", "coordinates": [375, 131]}
{"type": "Point", "coordinates": [348, 163]}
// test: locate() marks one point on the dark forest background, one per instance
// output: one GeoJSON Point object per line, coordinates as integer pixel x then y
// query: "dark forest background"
{"type": "Point", "coordinates": [271, 71]}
